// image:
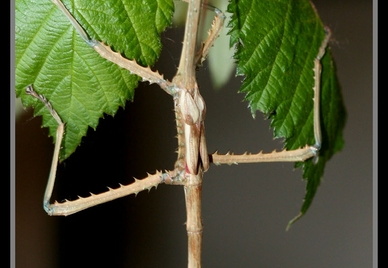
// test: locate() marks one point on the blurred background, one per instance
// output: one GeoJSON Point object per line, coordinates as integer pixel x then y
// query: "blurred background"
{"type": "Point", "coordinates": [245, 208]}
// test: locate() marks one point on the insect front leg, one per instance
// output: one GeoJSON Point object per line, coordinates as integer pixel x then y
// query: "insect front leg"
{"type": "Point", "coordinates": [107, 53]}
{"type": "Point", "coordinates": [213, 34]}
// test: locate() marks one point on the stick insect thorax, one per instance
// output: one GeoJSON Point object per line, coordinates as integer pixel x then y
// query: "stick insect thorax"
{"type": "Point", "coordinates": [189, 105]}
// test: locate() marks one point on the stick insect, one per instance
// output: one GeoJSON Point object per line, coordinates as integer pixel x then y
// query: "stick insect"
{"type": "Point", "coordinates": [193, 159]}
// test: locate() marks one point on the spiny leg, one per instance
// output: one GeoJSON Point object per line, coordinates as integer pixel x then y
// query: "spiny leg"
{"type": "Point", "coordinates": [71, 207]}
{"type": "Point", "coordinates": [213, 34]}
{"type": "Point", "coordinates": [296, 155]}
{"type": "Point", "coordinates": [58, 141]}
{"type": "Point", "coordinates": [107, 53]}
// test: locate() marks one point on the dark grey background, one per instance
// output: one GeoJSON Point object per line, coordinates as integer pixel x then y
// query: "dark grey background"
{"type": "Point", "coordinates": [245, 208]}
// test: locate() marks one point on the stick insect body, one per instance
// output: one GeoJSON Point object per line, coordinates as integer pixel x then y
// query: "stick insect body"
{"type": "Point", "coordinates": [190, 110]}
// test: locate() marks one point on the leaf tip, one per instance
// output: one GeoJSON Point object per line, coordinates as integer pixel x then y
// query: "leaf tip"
{"type": "Point", "coordinates": [291, 222]}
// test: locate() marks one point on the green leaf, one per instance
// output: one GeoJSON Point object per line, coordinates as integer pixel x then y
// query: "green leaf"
{"type": "Point", "coordinates": [276, 44]}
{"type": "Point", "coordinates": [81, 85]}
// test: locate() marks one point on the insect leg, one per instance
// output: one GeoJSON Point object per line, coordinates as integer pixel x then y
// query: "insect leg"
{"type": "Point", "coordinates": [213, 34]}
{"type": "Point", "coordinates": [296, 155]}
{"type": "Point", "coordinates": [106, 52]}
{"type": "Point", "coordinates": [59, 136]}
